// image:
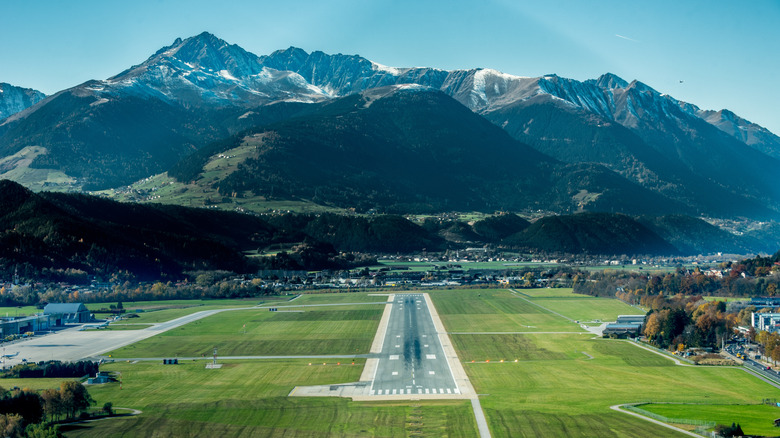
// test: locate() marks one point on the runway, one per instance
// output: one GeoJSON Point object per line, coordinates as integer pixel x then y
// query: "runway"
{"type": "Point", "coordinates": [412, 361]}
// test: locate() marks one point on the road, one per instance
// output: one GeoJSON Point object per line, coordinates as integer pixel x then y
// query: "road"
{"type": "Point", "coordinates": [412, 360]}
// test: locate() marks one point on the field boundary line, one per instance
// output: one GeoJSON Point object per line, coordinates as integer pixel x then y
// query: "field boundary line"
{"type": "Point", "coordinates": [619, 408]}
{"type": "Point", "coordinates": [673, 359]}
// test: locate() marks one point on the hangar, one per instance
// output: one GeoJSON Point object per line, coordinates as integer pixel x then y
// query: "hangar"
{"type": "Point", "coordinates": [69, 313]}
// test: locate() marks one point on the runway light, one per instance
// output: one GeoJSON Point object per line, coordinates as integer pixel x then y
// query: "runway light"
{"type": "Point", "coordinates": [515, 360]}
{"type": "Point", "coordinates": [472, 361]}
{"type": "Point", "coordinates": [353, 363]}
{"type": "Point", "coordinates": [323, 363]}
{"type": "Point", "coordinates": [309, 363]}
{"type": "Point", "coordinates": [487, 361]}
{"type": "Point", "coordinates": [502, 360]}
{"type": "Point", "coordinates": [338, 363]}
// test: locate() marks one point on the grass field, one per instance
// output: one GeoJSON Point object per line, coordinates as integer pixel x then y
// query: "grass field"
{"type": "Point", "coordinates": [589, 309]}
{"type": "Point", "coordinates": [561, 385]}
{"type": "Point", "coordinates": [754, 419]}
{"type": "Point", "coordinates": [250, 399]}
{"type": "Point", "coordinates": [258, 332]}
{"type": "Point", "coordinates": [495, 310]}
{"type": "Point", "coordinates": [19, 311]}
{"type": "Point", "coordinates": [164, 189]}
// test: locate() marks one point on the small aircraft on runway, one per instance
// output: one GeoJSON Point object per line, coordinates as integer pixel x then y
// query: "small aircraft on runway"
{"type": "Point", "coordinates": [8, 356]}
{"type": "Point", "coordinates": [99, 326]}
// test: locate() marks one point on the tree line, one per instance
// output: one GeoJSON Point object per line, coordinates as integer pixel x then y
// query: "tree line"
{"type": "Point", "coordinates": [52, 369]}
{"type": "Point", "coordinates": [26, 413]}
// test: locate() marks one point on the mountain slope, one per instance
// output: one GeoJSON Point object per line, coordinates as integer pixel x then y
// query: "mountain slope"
{"type": "Point", "coordinates": [666, 145]}
{"type": "Point", "coordinates": [408, 148]}
{"type": "Point", "coordinates": [694, 236]}
{"type": "Point", "coordinates": [591, 233]}
{"type": "Point", "coordinates": [46, 233]}
{"type": "Point", "coordinates": [109, 133]}
{"type": "Point", "coordinates": [749, 133]}
{"type": "Point", "coordinates": [14, 99]}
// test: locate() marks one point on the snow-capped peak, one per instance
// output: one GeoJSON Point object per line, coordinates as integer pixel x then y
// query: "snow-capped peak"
{"type": "Point", "coordinates": [383, 68]}
{"type": "Point", "coordinates": [609, 81]}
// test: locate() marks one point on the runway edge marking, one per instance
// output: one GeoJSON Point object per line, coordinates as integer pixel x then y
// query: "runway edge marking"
{"type": "Point", "coordinates": [369, 371]}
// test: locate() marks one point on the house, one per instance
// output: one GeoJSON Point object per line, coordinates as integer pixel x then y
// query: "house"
{"type": "Point", "coordinates": [68, 313]}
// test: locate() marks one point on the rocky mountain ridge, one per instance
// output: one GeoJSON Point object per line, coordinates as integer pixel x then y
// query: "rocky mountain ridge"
{"type": "Point", "coordinates": [200, 89]}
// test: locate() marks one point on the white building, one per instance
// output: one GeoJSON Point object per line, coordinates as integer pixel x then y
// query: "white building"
{"type": "Point", "coordinates": [768, 322]}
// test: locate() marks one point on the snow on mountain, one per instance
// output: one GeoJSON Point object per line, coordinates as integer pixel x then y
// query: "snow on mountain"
{"type": "Point", "coordinates": [205, 70]}
{"type": "Point", "coordinates": [15, 99]}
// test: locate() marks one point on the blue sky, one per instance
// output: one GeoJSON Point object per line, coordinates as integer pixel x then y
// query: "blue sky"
{"type": "Point", "coordinates": [724, 52]}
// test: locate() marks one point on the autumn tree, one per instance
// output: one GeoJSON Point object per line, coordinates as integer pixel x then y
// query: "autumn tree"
{"type": "Point", "coordinates": [52, 404]}
{"type": "Point", "coordinates": [11, 425]}
{"type": "Point", "coordinates": [74, 398]}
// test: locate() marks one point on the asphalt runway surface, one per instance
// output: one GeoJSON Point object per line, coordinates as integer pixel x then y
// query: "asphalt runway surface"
{"type": "Point", "coordinates": [412, 360]}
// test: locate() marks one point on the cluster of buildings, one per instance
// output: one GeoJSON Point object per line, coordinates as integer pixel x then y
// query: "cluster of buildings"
{"type": "Point", "coordinates": [53, 315]}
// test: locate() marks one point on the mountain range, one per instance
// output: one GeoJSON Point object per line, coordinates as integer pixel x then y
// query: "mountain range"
{"type": "Point", "coordinates": [602, 145]}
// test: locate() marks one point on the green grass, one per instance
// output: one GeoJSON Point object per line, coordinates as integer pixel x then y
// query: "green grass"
{"type": "Point", "coordinates": [495, 310]}
{"type": "Point", "coordinates": [754, 419]}
{"type": "Point", "coordinates": [250, 399]}
{"type": "Point", "coordinates": [33, 384]}
{"type": "Point", "coordinates": [589, 309]}
{"type": "Point", "coordinates": [561, 384]}
{"type": "Point", "coordinates": [555, 390]}
{"type": "Point", "coordinates": [338, 298]}
{"type": "Point", "coordinates": [164, 189]}
{"type": "Point", "coordinates": [549, 292]}
{"type": "Point", "coordinates": [521, 347]}
{"type": "Point", "coordinates": [317, 330]}
{"type": "Point", "coordinates": [12, 311]}
{"type": "Point", "coordinates": [153, 312]}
